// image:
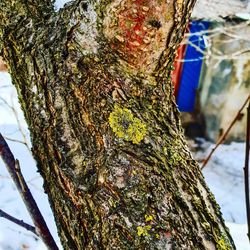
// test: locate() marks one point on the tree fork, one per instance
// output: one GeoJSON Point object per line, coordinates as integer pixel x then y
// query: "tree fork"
{"type": "Point", "coordinates": [94, 84]}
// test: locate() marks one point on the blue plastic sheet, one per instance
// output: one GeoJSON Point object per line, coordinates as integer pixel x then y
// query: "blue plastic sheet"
{"type": "Point", "coordinates": [192, 66]}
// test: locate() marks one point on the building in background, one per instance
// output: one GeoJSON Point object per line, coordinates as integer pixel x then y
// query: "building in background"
{"type": "Point", "coordinates": [212, 70]}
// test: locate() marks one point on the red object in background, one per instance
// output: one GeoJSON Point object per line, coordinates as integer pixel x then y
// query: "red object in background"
{"type": "Point", "coordinates": [178, 64]}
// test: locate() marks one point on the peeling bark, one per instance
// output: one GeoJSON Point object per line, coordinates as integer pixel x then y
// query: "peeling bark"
{"type": "Point", "coordinates": [94, 84]}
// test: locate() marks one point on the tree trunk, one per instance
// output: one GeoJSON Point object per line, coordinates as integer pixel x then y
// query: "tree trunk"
{"type": "Point", "coordinates": [94, 83]}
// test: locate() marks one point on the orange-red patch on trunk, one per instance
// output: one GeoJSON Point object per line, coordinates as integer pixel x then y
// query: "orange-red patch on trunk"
{"type": "Point", "coordinates": [138, 29]}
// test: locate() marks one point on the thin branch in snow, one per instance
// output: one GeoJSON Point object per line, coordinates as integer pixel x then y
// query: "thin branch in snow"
{"type": "Point", "coordinates": [13, 167]}
{"type": "Point", "coordinates": [20, 128]}
{"type": "Point", "coordinates": [224, 135]}
{"type": "Point", "coordinates": [15, 140]}
{"type": "Point", "coordinates": [25, 140]}
{"type": "Point", "coordinates": [4, 177]}
{"type": "Point", "coordinates": [4, 86]}
{"type": "Point", "coordinates": [246, 170]}
{"type": "Point", "coordinates": [20, 223]}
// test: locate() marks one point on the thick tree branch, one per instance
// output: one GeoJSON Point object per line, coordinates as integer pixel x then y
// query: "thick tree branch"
{"type": "Point", "coordinates": [14, 170]}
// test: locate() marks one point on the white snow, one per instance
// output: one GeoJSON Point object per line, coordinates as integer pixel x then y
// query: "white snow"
{"type": "Point", "coordinates": [224, 175]}
{"type": "Point", "coordinates": [60, 3]}
{"type": "Point", "coordinates": [239, 234]}
{"type": "Point", "coordinates": [8, 94]}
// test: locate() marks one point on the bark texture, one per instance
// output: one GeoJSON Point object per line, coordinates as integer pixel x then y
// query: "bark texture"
{"type": "Point", "coordinates": [94, 84]}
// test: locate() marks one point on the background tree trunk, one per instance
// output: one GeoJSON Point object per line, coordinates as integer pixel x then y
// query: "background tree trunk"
{"type": "Point", "coordinates": [94, 84]}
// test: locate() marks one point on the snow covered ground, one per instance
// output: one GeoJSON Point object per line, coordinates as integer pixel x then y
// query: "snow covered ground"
{"type": "Point", "coordinates": [224, 175]}
{"type": "Point", "coordinates": [225, 178]}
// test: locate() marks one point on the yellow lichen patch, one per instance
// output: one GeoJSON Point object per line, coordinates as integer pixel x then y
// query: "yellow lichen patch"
{"type": "Point", "coordinates": [143, 231]}
{"type": "Point", "coordinates": [148, 218]}
{"type": "Point", "coordinates": [126, 126]}
{"type": "Point", "coordinates": [221, 245]}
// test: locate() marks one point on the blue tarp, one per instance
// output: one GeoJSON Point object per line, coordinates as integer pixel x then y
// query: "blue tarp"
{"type": "Point", "coordinates": [192, 67]}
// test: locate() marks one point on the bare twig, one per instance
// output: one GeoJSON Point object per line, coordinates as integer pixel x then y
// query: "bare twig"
{"type": "Point", "coordinates": [13, 167]}
{"type": "Point", "coordinates": [228, 30]}
{"type": "Point", "coordinates": [15, 140]}
{"type": "Point", "coordinates": [20, 128]}
{"type": "Point", "coordinates": [20, 223]}
{"type": "Point", "coordinates": [4, 177]}
{"type": "Point", "coordinates": [224, 135]}
{"type": "Point", "coordinates": [227, 35]}
{"type": "Point", "coordinates": [4, 86]}
{"type": "Point", "coordinates": [246, 170]}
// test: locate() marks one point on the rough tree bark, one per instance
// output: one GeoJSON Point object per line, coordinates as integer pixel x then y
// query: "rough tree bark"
{"type": "Point", "coordinates": [94, 83]}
